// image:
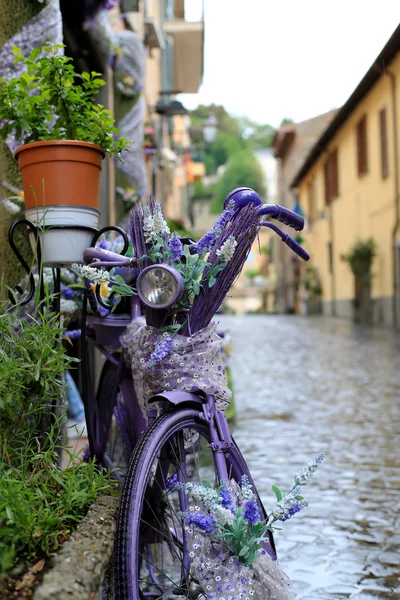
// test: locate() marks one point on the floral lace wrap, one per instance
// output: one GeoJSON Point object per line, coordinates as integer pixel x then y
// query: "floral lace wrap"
{"type": "Point", "coordinates": [184, 363]}
{"type": "Point", "coordinates": [223, 577]}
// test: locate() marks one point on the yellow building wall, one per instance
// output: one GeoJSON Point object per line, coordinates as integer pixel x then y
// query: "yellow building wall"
{"type": "Point", "coordinates": [365, 206]}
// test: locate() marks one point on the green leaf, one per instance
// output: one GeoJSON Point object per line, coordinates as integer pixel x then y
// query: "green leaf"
{"type": "Point", "coordinates": [244, 550]}
{"type": "Point", "coordinates": [196, 287]}
{"type": "Point", "coordinates": [37, 371]}
{"type": "Point", "coordinates": [277, 493]}
{"type": "Point", "coordinates": [206, 485]}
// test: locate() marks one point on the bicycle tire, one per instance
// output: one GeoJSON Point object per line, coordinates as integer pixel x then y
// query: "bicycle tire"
{"type": "Point", "coordinates": [145, 511]}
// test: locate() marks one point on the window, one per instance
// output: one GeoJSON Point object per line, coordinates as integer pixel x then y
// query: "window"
{"type": "Point", "coordinates": [331, 178]}
{"type": "Point", "coordinates": [362, 158]}
{"type": "Point", "coordinates": [384, 144]}
{"type": "Point", "coordinates": [312, 201]}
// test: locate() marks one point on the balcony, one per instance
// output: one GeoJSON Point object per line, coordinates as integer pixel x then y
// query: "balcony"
{"type": "Point", "coordinates": [188, 49]}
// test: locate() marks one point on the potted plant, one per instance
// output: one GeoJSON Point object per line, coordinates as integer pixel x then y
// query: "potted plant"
{"type": "Point", "coordinates": [360, 258]}
{"type": "Point", "coordinates": [65, 134]}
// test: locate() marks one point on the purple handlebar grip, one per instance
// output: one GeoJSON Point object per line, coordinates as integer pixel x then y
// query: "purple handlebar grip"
{"type": "Point", "coordinates": [295, 247]}
{"type": "Point", "coordinates": [288, 217]}
{"type": "Point", "coordinates": [99, 254]}
{"type": "Point", "coordinates": [284, 215]}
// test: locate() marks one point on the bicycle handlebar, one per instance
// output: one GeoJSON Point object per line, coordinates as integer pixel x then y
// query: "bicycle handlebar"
{"type": "Point", "coordinates": [284, 215]}
{"type": "Point", "coordinates": [286, 239]}
{"type": "Point", "coordinates": [106, 258]}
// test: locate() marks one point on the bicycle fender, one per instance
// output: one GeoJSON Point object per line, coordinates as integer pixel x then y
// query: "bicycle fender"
{"type": "Point", "coordinates": [177, 397]}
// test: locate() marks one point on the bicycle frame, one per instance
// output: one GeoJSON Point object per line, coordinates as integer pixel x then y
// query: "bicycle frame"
{"type": "Point", "coordinates": [103, 334]}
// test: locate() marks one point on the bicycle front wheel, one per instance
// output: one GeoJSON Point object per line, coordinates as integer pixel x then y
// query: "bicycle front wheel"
{"type": "Point", "coordinates": [151, 555]}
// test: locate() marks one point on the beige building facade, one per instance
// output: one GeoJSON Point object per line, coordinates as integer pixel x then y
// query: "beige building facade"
{"type": "Point", "coordinates": [291, 144]}
{"type": "Point", "coordinates": [349, 188]}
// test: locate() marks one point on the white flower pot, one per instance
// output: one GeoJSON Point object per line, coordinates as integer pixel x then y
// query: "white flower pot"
{"type": "Point", "coordinates": [62, 246]}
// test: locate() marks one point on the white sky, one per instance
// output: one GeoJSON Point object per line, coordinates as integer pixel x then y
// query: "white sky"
{"type": "Point", "coordinates": [270, 59]}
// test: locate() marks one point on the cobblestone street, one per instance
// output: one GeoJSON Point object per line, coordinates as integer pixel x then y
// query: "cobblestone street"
{"type": "Point", "coordinates": [310, 385]}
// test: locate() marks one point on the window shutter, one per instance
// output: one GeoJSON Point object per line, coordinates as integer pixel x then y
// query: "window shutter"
{"type": "Point", "coordinates": [362, 159]}
{"type": "Point", "coordinates": [384, 144]}
{"type": "Point", "coordinates": [331, 177]}
{"type": "Point", "coordinates": [130, 6]}
{"type": "Point", "coordinates": [168, 64]}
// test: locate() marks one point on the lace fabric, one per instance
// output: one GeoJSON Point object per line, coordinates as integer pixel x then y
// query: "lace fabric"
{"type": "Point", "coordinates": [223, 577]}
{"type": "Point", "coordinates": [192, 363]}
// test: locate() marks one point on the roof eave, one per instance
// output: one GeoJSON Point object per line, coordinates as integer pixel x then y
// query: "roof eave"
{"type": "Point", "coordinates": [373, 74]}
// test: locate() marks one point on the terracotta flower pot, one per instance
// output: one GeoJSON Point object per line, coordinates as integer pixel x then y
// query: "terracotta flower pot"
{"type": "Point", "coordinates": [60, 172]}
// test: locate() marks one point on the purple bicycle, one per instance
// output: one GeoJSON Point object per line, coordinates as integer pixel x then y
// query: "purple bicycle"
{"type": "Point", "coordinates": [166, 392]}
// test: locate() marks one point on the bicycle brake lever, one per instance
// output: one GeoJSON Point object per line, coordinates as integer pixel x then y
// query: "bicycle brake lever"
{"type": "Point", "coordinates": [286, 239]}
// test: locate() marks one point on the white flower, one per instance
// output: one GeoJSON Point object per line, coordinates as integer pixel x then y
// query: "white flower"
{"type": "Point", "coordinates": [11, 207]}
{"type": "Point", "coordinates": [227, 249]}
{"type": "Point", "coordinates": [148, 226]}
{"type": "Point", "coordinates": [160, 225]}
{"type": "Point", "coordinates": [95, 275]}
{"type": "Point", "coordinates": [223, 515]}
{"type": "Point", "coordinates": [68, 307]}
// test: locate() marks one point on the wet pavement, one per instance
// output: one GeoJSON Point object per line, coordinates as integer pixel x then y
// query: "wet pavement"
{"type": "Point", "coordinates": [309, 385]}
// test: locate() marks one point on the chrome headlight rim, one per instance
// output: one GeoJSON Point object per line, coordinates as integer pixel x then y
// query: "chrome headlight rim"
{"type": "Point", "coordinates": [172, 272]}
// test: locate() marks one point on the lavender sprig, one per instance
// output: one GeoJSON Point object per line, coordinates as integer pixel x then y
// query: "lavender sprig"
{"type": "Point", "coordinates": [162, 349]}
{"type": "Point", "coordinates": [175, 246]}
{"type": "Point", "coordinates": [303, 476]}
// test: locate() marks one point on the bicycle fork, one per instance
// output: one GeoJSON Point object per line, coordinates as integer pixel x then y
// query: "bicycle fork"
{"type": "Point", "coordinates": [221, 439]}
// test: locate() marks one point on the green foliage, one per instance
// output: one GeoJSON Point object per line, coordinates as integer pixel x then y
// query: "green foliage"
{"type": "Point", "coordinates": [361, 256]}
{"type": "Point", "coordinates": [243, 170]}
{"type": "Point", "coordinates": [32, 368]}
{"type": "Point", "coordinates": [257, 135]}
{"type": "Point", "coordinates": [39, 503]}
{"type": "Point", "coordinates": [179, 228]}
{"type": "Point", "coordinates": [312, 281]}
{"type": "Point", "coordinates": [226, 123]}
{"type": "Point", "coordinates": [46, 102]}
{"type": "Point", "coordinates": [286, 121]}
{"type": "Point", "coordinates": [224, 147]}
{"type": "Point", "coordinates": [252, 273]}
{"type": "Point", "coordinates": [199, 190]}
{"type": "Point", "coordinates": [42, 504]}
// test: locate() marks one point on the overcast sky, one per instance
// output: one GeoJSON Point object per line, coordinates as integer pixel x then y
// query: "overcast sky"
{"type": "Point", "coordinates": [270, 59]}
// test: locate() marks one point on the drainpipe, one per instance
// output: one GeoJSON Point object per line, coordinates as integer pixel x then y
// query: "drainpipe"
{"type": "Point", "coordinates": [332, 259]}
{"type": "Point", "coordinates": [396, 192]}
{"type": "Point", "coordinates": [331, 229]}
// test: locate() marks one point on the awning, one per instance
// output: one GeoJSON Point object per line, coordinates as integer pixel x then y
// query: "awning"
{"type": "Point", "coordinates": [188, 54]}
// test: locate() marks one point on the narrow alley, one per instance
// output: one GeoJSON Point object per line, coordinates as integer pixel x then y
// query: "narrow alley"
{"type": "Point", "coordinates": [309, 385]}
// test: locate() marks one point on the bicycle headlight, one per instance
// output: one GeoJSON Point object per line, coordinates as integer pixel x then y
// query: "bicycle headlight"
{"type": "Point", "coordinates": [159, 286]}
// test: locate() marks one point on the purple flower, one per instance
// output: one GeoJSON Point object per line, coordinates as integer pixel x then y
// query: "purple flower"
{"type": "Point", "coordinates": [227, 500]}
{"type": "Point", "coordinates": [295, 508]}
{"type": "Point", "coordinates": [203, 522]}
{"type": "Point", "coordinates": [109, 4]}
{"type": "Point", "coordinates": [251, 512]}
{"type": "Point", "coordinates": [225, 216]}
{"type": "Point", "coordinates": [73, 334]}
{"type": "Point", "coordinates": [171, 482]}
{"type": "Point", "coordinates": [103, 312]}
{"type": "Point", "coordinates": [68, 293]}
{"type": "Point", "coordinates": [103, 244]}
{"type": "Point", "coordinates": [205, 243]}
{"type": "Point", "coordinates": [175, 245]}
{"type": "Point", "coordinates": [160, 351]}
